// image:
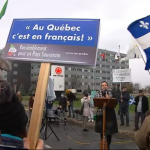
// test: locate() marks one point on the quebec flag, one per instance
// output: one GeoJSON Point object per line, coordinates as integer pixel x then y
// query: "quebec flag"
{"type": "Point", "coordinates": [140, 30]}
{"type": "Point", "coordinates": [131, 101]}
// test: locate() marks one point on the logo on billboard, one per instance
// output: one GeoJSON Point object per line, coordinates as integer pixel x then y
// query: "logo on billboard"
{"type": "Point", "coordinates": [12, 50]}
{"type": "Point", "coordinates": [58, 70]}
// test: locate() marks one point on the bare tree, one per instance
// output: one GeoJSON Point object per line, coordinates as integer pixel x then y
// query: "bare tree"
{"type": "Point", "coordinates": [75, 82]}
{"type": "Point", "coordinates": [136, 87]}
{"type": "Point", "coordinates": [129, 87]}
{"type": "Point", "coordinates": [147, 88]}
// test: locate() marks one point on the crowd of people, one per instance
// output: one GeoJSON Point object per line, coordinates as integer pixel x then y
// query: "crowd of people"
{"type": "Point", "coordinates": [14, 133]}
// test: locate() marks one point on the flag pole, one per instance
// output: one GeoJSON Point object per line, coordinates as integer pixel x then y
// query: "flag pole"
{"type": "Point", "coordinates": [119, 66]}
{"type": "Point", "coordinates": [105, 66]}
{"type": "Point", "coordinates": [143, 58]}
{"type": "Point", "coordinates": [93, 79]}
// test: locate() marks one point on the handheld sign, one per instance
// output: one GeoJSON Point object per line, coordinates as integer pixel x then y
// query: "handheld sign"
{"type": "Point", "coordinates": [69, 41]}
{"type": "Point", "coordinates": [63, 41]}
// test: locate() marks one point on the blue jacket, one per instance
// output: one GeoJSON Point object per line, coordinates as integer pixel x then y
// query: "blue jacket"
{"type": "Point", "coordinates": [13, 141]}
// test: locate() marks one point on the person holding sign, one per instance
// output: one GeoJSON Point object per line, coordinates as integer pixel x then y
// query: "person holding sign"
{"type": "Point", "coordinates": [111, 121]}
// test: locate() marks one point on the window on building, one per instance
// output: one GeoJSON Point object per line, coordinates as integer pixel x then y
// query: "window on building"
{"type": "Point", "coordinates": [112, 55]}
{"type": "Point", "coordinates": [97, 58]}
{"type": "Point", "coordinates": [85, 70]}
{"type": "Point", "coordinates": [97, 71]}
{"type": "Point", "coordinates": [107, 54]}
{"type": "Point", "coordinates": [85, 77]}
{"type": "Point", "coordinates": [66, 83]}
{"type": "Point", "coordinates": [104, 78]}
{"type": "Point", "coordinates": [103, 65]}
{"type": "Point", "coordinates": [66, 68]}
{"type": "Point", "coordinates": [14, 80]}
{"type": "Point", "coordinates": [73, 69]}
{"type": "Point", "coordinates": [66, 75]}
{"type": "Point", "coordinates": [122, 62]}
{"type": "Point", "coordinates": [79, 69]}
{"type": "Point", "coordinates": [97, 83]}
{"type": "Point", "coordinates": [15, 65]}
{"type": "Point", "coordinates": [108, 78]}
{"type": "Point", "coordinates": [15, 72]}
{"type": "Point", "coordinates": [79, 76]}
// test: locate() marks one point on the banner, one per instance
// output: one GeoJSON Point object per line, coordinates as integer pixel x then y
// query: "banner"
{"type": "Point", "coordinates": [121, 75]}
{"type": "Point", "coordinates": [69, 41]}
{"type": "Point", "coordinates": [58, 75]}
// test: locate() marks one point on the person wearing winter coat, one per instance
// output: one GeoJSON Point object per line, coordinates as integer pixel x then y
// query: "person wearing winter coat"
{"type": "Point", "coordinates": [111, 120]}
{"type": "Point", "coordinates": [91, 112]}
{"type": "Point", "coordinates": [142, 137]}
{"type": "Point", "coordinates": [19, 96]}
{"type": "Point", "coordinates": [63, 106]}
{"type": "Point", "coordinates": [71, 98]}
{"type": "Point", "coordinates": [13, 118]}
{"type": "Point", "coordinates": [31, 102]}
{"type": "Point", "coordinates": [86, 104]}
{"type": "Point", "coordinates": [124, 106]}
{"type": "Point", "coordinates": [141, 107]}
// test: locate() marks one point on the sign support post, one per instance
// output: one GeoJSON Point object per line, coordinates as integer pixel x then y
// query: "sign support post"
{"type": "Point", "coordinates": [63, 41]}
{"type": "Point", "coordinates": [37, 113]}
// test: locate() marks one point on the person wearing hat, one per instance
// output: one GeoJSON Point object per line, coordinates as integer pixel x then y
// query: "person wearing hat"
{"type": "Point", "coordinates": [71, 97]}
{"type": "Point", "coordinates": [63, 107]}
{"type": "Point", "coordinates": [141, 107]}
{"type": "Point", "coordinates": [124, 106]}
{"type": "Point", "coordinates": [13, 118]}
{"type": "Point", "coordinates": [31, 102]}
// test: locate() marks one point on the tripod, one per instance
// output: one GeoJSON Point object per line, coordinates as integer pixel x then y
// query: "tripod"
{"type": "Point", "coordinates": [44, 126]}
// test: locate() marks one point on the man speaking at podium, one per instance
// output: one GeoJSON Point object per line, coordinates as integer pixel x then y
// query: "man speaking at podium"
{"type": "Point", "coordinates": [111, 121]}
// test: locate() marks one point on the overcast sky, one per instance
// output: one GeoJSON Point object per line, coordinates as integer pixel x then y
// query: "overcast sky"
{"type": "Point", "coordinates": [115, 17]}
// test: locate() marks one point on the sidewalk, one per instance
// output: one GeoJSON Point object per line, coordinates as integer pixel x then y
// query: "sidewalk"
{"type": "Point", "coordinates": [122, 129]}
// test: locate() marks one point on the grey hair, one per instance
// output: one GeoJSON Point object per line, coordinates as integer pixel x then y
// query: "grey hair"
{"type": "Point", "coordinates": [5, 92]}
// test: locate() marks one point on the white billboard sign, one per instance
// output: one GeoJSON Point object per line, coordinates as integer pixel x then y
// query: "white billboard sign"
{"type": "Point", "coordinates": [121, 75]}
{"type": "Point", "coordinates": [58, 75]}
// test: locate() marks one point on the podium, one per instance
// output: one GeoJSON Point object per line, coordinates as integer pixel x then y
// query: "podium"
{"type": "Point", "coordinates": [104, 103]}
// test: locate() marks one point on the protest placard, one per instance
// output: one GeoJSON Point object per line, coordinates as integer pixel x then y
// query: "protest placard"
{"type": "Point", "coordinates": [121, 75]}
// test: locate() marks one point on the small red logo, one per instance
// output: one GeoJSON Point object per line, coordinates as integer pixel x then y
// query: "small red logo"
{"type": "Point", "coordinates": [58, 70]}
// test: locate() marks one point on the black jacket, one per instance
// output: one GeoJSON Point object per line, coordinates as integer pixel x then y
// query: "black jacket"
{"type": "Point", "coordinates": [63, 102]}
{"type": "Point", "coordinates": [145, 104]}
{"type": "Point", "coordinates": [8, 140]}
{"type": "Point", "coordinates": [126, 98]}
{"type": "Point", "coordinates": [111, 120]}
{"type": "Point", "coordinates": [71, 97]}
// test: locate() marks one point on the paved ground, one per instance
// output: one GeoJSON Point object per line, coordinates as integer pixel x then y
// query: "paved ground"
{"type": "Point", "coordinates": [72, 136]}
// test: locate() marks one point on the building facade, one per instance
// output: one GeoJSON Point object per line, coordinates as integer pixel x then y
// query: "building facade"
{"type": "Point", "coordinates": [81, 78]}
{"type": "Point", "coordinates": [75, 77]}
{"type": "Point", "coordinates": [20, 75]}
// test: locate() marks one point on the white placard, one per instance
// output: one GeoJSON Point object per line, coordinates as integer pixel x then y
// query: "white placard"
{"type": "Point", "coordinates": [58, 74]}
{"type": "Point", "coordinates": [121, 75]}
